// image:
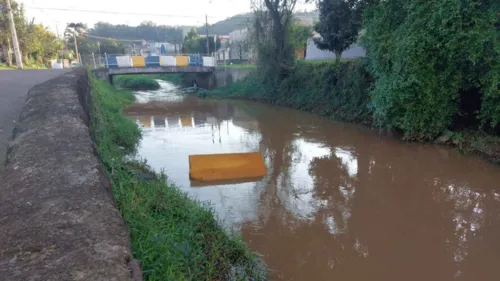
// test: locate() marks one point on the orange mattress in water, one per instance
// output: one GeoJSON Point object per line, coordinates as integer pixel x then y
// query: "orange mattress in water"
{"type": "Point", "coordinates": [230, 166]}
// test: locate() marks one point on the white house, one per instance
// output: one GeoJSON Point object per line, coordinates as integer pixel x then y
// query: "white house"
{"type": "Point", "coordinates": [313, 53]}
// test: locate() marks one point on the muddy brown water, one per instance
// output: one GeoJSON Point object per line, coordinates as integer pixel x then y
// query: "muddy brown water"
{"type": "Point", "coordinates": [340, 201]}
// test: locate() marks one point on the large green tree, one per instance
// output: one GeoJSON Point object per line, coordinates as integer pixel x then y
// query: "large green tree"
{"type": "Point", "coordinates": [37, 44]}
{"type": "Point", "coordinates": [339, 25]}
{"type": "Point", "coordinates": [432, 59]}
{"type": "Point", "coordinates": [195, 44]}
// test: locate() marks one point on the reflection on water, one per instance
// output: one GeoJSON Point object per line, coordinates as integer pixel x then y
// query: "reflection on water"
{"type": "Point", "coordinates": [339, 202]}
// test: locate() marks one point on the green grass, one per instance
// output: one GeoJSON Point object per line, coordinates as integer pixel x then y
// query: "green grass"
{"type": "Point", "coordinates": [174, 237]}
{"type": "Point", "coordinates": [136, 82]}
{"type": "Point", "coordinates": [239, 66]}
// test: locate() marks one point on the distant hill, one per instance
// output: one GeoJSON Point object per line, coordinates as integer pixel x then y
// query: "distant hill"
{"type": "Point", "coordinates": [224, 27]}
{"type": "Point", "coordinates": [148, 30]}
{"type": "Point", "coordinates": [241, 21]}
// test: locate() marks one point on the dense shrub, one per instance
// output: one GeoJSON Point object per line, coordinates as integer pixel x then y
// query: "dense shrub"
{"type": "Point", "coordinates": [136, 82]}
{"type": "Point", "coordinates": [336, 91]}
{"type": "Point", "coordinates": [424, 54]}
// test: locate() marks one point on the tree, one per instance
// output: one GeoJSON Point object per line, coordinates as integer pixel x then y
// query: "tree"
{"type": "Point", "coordinates": [148, 31]}
{"type": "Point", "coordinates": [299, 35]}
{"type": "Point", "coordinates": [194, 44]}
{"type": "Point", "coordinates": [270, 36]}
{"type": "Point", "coordinates": [191, 42]}
{"type": "Point", "coordinates": [5, 37]}
{"type": "Point", "coordinates": [339, 25]}
{"type": "Point", "coordinates": [111, 47]}
{"type": "Point", "coordinates": [433, 62]}
{"type": "Point", "coordinates": [37, 44]}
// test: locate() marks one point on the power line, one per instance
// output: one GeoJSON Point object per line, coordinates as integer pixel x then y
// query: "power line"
{"type": "Point", "coordinates": [110, 12]}
{"type": "Point", "coordinates": [113, 39]}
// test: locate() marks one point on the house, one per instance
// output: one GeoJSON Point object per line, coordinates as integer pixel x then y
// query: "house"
{"type": "Point", "coordinates": [237, 48]}
{"type": "Point", "coordinates": [314, 53]}
{"type": "Point", "coordinates": [155, 48]}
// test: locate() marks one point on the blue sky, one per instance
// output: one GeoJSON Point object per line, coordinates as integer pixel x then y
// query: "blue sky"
{"type": "Point", "coordinates": [176, 12]}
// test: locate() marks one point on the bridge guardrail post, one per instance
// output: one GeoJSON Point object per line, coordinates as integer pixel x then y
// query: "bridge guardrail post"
{"type": "Point", "coordinates": [93, 59]}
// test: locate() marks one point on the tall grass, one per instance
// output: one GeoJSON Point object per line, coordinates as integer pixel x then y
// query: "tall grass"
{"type": "Point", "coordinates": [173, 236]}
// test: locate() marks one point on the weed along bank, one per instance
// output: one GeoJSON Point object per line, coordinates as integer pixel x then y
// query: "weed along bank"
{"type": "Point", "coordinates": [173, 236]}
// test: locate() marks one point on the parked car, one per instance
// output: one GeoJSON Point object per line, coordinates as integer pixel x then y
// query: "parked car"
{"type": "Point", "coordinates": [75, 64]}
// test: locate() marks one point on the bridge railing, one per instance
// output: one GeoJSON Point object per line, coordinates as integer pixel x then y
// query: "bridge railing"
{"type": "Point", "coordinates": [178, 60]}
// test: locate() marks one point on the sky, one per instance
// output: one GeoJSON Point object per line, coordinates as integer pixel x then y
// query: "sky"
{"type": "Point", "coordinates": [168, 12]}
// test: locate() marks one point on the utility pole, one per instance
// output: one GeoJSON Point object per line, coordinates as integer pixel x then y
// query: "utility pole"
{"type": "Point", "coordinates": [206, 25]}
{"type": "Point", "coordinates": [76, 46]}
{"type": "Point", "coordinates": [17, 51]}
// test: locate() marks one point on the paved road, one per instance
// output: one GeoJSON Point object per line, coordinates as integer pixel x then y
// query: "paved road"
{"type": "Point", "coordinates": [14, 85]}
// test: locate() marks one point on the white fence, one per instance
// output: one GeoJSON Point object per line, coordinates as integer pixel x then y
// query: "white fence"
{"type": "Point", "coordinates": [208, 61]}
{"type": "Point", "coordinates": [168, 61]}
{"type": "Point", "coordinates": [124, 61]}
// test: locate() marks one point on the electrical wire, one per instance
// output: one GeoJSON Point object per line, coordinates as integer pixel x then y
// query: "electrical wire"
{"type": "Point", "coordinates": [110, 12]}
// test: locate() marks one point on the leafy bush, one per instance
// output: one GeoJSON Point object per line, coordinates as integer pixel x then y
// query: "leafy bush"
{"type": "Point", "coordinates": [136, 82]}
{"type": "Point", "coordinates": [423, 54]}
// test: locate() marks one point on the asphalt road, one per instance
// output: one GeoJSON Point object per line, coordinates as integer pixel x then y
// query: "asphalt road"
{"type": "Point", "coordinates": [14, 85]}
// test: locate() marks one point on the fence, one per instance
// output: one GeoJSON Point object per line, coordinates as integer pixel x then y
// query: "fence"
{"type": "Point", "coordinates": [180, 60]}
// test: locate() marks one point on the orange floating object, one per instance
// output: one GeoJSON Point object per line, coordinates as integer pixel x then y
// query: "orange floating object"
{"type": "Point", "coordinates": [230, 166]}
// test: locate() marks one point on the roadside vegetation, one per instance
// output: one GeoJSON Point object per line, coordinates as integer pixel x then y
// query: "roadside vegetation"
{"type": "Point", "coordinates": [431, 73]}
{"type": "Point", "coordinates": [38, 45]}
{"type": "Point", "coordinates": [174, 237]}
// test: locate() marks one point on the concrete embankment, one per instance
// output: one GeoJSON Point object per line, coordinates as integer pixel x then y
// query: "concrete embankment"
{"type": "Point", "coordinates": [58, 220]}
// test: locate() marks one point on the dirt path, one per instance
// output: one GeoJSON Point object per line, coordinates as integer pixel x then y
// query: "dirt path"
{"type": "Point", "coordinates": [14, 85]}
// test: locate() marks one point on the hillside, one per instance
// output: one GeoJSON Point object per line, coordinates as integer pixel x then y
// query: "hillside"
{"type": "Point", "coordinates": [224, 27]}
{"type": "Point", "coordinates": [241, 21]}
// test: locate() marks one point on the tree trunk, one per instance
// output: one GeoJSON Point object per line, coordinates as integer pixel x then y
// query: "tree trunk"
{"type": "Point", "coordinates": [7, 53]}
{"type": "Point", "coordinates": [338, 55]}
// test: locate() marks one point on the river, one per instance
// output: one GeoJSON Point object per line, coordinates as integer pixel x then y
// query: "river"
{"type": "Point", "coordinates": [339, 201]}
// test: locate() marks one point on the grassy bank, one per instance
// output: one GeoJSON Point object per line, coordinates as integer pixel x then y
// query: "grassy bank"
{"type": "Point", "coordinates": [173, 236]}
{"type": "Point", "coordinates": [339, 92]}
{"type": "Point", "coordinates": [239, 66]}
{"type": "Point", "coordinates": [342, 93]}
{"type": "Point", "coordinates": [136, 82]}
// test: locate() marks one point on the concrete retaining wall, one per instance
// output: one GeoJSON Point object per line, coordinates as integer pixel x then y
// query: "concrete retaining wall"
{"type": "Point", "coordinates": [57, 215]}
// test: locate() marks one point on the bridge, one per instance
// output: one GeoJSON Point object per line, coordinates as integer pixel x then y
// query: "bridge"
{"type": "Point", "coordinates": [132, 64]}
